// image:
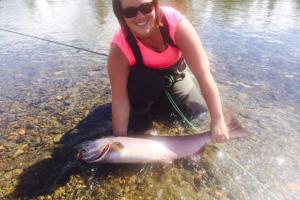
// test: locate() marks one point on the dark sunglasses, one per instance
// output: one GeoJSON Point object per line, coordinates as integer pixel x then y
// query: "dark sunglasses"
{"type": "Point", "coordinates": [145, 8]}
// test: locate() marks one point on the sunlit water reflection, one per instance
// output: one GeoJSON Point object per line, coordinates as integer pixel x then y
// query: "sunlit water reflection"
{"type": "Point", "coordinates": [47, 89]}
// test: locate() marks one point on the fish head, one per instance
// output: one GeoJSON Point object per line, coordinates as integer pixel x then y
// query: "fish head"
{"type": "Point", "coordinates": [97, 150]}
{"type": "Point", "coordinates": [93, 151]}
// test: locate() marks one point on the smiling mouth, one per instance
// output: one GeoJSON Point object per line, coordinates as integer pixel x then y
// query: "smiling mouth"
{"type": "Point", "coordinates": [140, 24]}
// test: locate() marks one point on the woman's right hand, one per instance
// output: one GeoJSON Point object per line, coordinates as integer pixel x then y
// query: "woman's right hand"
{"type": "Point", "coordinates": [118, 70]}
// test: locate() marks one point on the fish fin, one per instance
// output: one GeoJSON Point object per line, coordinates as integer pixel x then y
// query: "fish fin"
{"type": "Point", "coordinates": [116, 146]}
{"type": "Point", "coordinates": [234, 128]}
{"type": "Point", "coordinates": [201, 151]}
{"type": "Point", "coordinates": [196, 156]}
{"type": "Point", "coordinates": [230, 120]}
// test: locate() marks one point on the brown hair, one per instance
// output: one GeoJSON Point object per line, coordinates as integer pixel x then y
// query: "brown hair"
{"type": "Point", "coordinates": [117, 8]}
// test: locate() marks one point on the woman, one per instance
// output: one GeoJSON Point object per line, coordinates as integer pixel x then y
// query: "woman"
{"type": "Point", "coordinates": [151, 44]}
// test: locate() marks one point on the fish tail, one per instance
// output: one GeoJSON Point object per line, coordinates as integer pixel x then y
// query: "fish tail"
{"type": "Point", "coordinates": [234, 128]}
{"type": "Point", "coordinates": [238, 132]}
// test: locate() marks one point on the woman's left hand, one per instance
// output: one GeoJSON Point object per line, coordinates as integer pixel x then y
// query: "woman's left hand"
{"type": "Point", "coordinates": [219, 131]}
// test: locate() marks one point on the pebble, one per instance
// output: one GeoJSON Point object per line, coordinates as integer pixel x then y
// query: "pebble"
{"type": "Point", "coordinates": [58, 98]}
{"type": "Point", "coordinates": [15, 109]}
{"type": "Point", "coordinates": [220, 195]}
{"type": "Point", "coordinates": [17, 172]}
{"type": "Point", "coordinates": [12, 138]}
{"type": "Point", "coordinates": [67, 103]}
{"type": "Point", "coordinates": [10, 144]}
{"type": "Point", "coordinates": [2, 147]}
{"type": "Point", "coordinates": [57, 138]}
{"type": "Point", "coordinates": [52, 131]}
{"type": "Point", "coordinates": [86, 112]}
{"type": "Point", "coordinates": [18, 132]}
{"type": "Point", "coordinates": [18, 153]}
{"type": "Point", "coordinates": [2, 166]}
{"type": "Point", "coordinates": [14, 125]}
{"type": "Point", "coordinates": [24, 146]}
{"type": "Point", "coordinates": [29, 126]}
{"type": "Point", "coordinates": [20, 140]}
{"type": "Point", "coordinates": [47, 157]}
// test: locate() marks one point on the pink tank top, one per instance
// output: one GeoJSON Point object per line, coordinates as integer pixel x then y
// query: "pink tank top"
{"type": "Point", "coordinates": [153, 59]}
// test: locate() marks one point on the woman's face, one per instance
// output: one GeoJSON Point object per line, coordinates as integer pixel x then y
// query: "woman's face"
{"type": "Point", "coordinates": [141, 25]}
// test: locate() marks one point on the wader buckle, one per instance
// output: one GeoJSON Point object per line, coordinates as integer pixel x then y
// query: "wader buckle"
{"type": "Point", "coordinates": [172, 78]}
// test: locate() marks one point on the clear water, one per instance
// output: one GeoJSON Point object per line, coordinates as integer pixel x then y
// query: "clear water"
{"type": "Point", "coordinates": [47, 89]}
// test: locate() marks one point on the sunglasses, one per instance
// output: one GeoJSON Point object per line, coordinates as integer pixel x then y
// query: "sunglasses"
{"type": "Point", "coordinates": [145, 8]}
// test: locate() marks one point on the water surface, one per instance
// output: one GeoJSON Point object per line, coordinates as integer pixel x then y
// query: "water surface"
{"type": "Point", "coordinates": [48, 91]}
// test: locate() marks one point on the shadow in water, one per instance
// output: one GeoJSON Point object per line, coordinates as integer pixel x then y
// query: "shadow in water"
{"type": "Point", "coordinates": [96, 124]}
{"type": "Point", "coordinates": [45, 176]}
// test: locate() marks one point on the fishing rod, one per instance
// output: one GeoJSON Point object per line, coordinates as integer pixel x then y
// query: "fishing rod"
{"type": "Point", "coordinates": [54, 42]}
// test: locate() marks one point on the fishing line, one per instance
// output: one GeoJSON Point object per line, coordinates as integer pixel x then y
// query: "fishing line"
{"type": "Point", "coordinates": [178, 110]}
{"type": "Point", "coordinates": [180, 113]}
{"type": "Point", "coordinates": [251, 175]}
{"type": "Point", "coordinates": [54, 42]}
{"type": "Point", "coordinates": [167, 94]}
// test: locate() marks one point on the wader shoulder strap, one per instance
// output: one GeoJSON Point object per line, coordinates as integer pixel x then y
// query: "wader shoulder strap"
{"type": "Point", "coordinates": [135, 49]}
{"type": "Point", "coordinates": [164, 30]}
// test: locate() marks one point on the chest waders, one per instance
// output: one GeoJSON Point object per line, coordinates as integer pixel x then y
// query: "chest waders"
{"type": "Point", "coordinates": [146, 85]}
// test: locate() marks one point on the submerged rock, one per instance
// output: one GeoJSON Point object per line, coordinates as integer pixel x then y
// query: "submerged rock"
{"type": "Point", "coordinates": [16, 172]}
{"type": "Point", "coordinates": [18, 153]}
{"type": "Point", "coordinates": [57, 138]}
{"type": "Point", "coordinates": [21, 131]}
{"type": "Point", "coordinates": [58, 98]}
{"type": "Point", "coordinates": [2, 147]}
{"type": "Point", "coordinates": [2, 166]}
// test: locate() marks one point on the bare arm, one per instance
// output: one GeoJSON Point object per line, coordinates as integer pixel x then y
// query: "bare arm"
{"type": "Point", "coordinates": [118, 70]}
{"type": "Point", "coordinates": [190, 45]}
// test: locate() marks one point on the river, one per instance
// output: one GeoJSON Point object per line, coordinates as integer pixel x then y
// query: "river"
{"type": "Point", "coordinates": [54, 89]}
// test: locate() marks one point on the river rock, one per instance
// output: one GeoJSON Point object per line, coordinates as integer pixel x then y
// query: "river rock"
{"type": "Point", "coordinates": [12, 137]}
{"type": "Point", "coordinates": [58, 98]}
{"type": "Point", "coordinates": [53, 131]}
{"type": "Point", "coordinates": [16, 108]}
{"type": "Point", "coordinates": [57, 138]}
{"type": "Point", "coordinates": [2, 166]}
{"type": "Point", "coordinates": [29, 126]}
{"type": "Point", "coordinates": [14, 125]}
{"type": "Point", "coordinates": [21, 131]}
{"type": "Point", "coordinates": [67, 103]}
{"type": "Point", "coordinates": [20, 140]}
{"type": "Point", "coordinates": [24, 146]}
{"type": "Point", "coordinates": [17, 172]}
{"type": "Point", "coordinates": [220, 195]}
{"type": "Point", "coordinates": [2, 147]}
{"type": "Point", "coordinates": [18, 153]}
